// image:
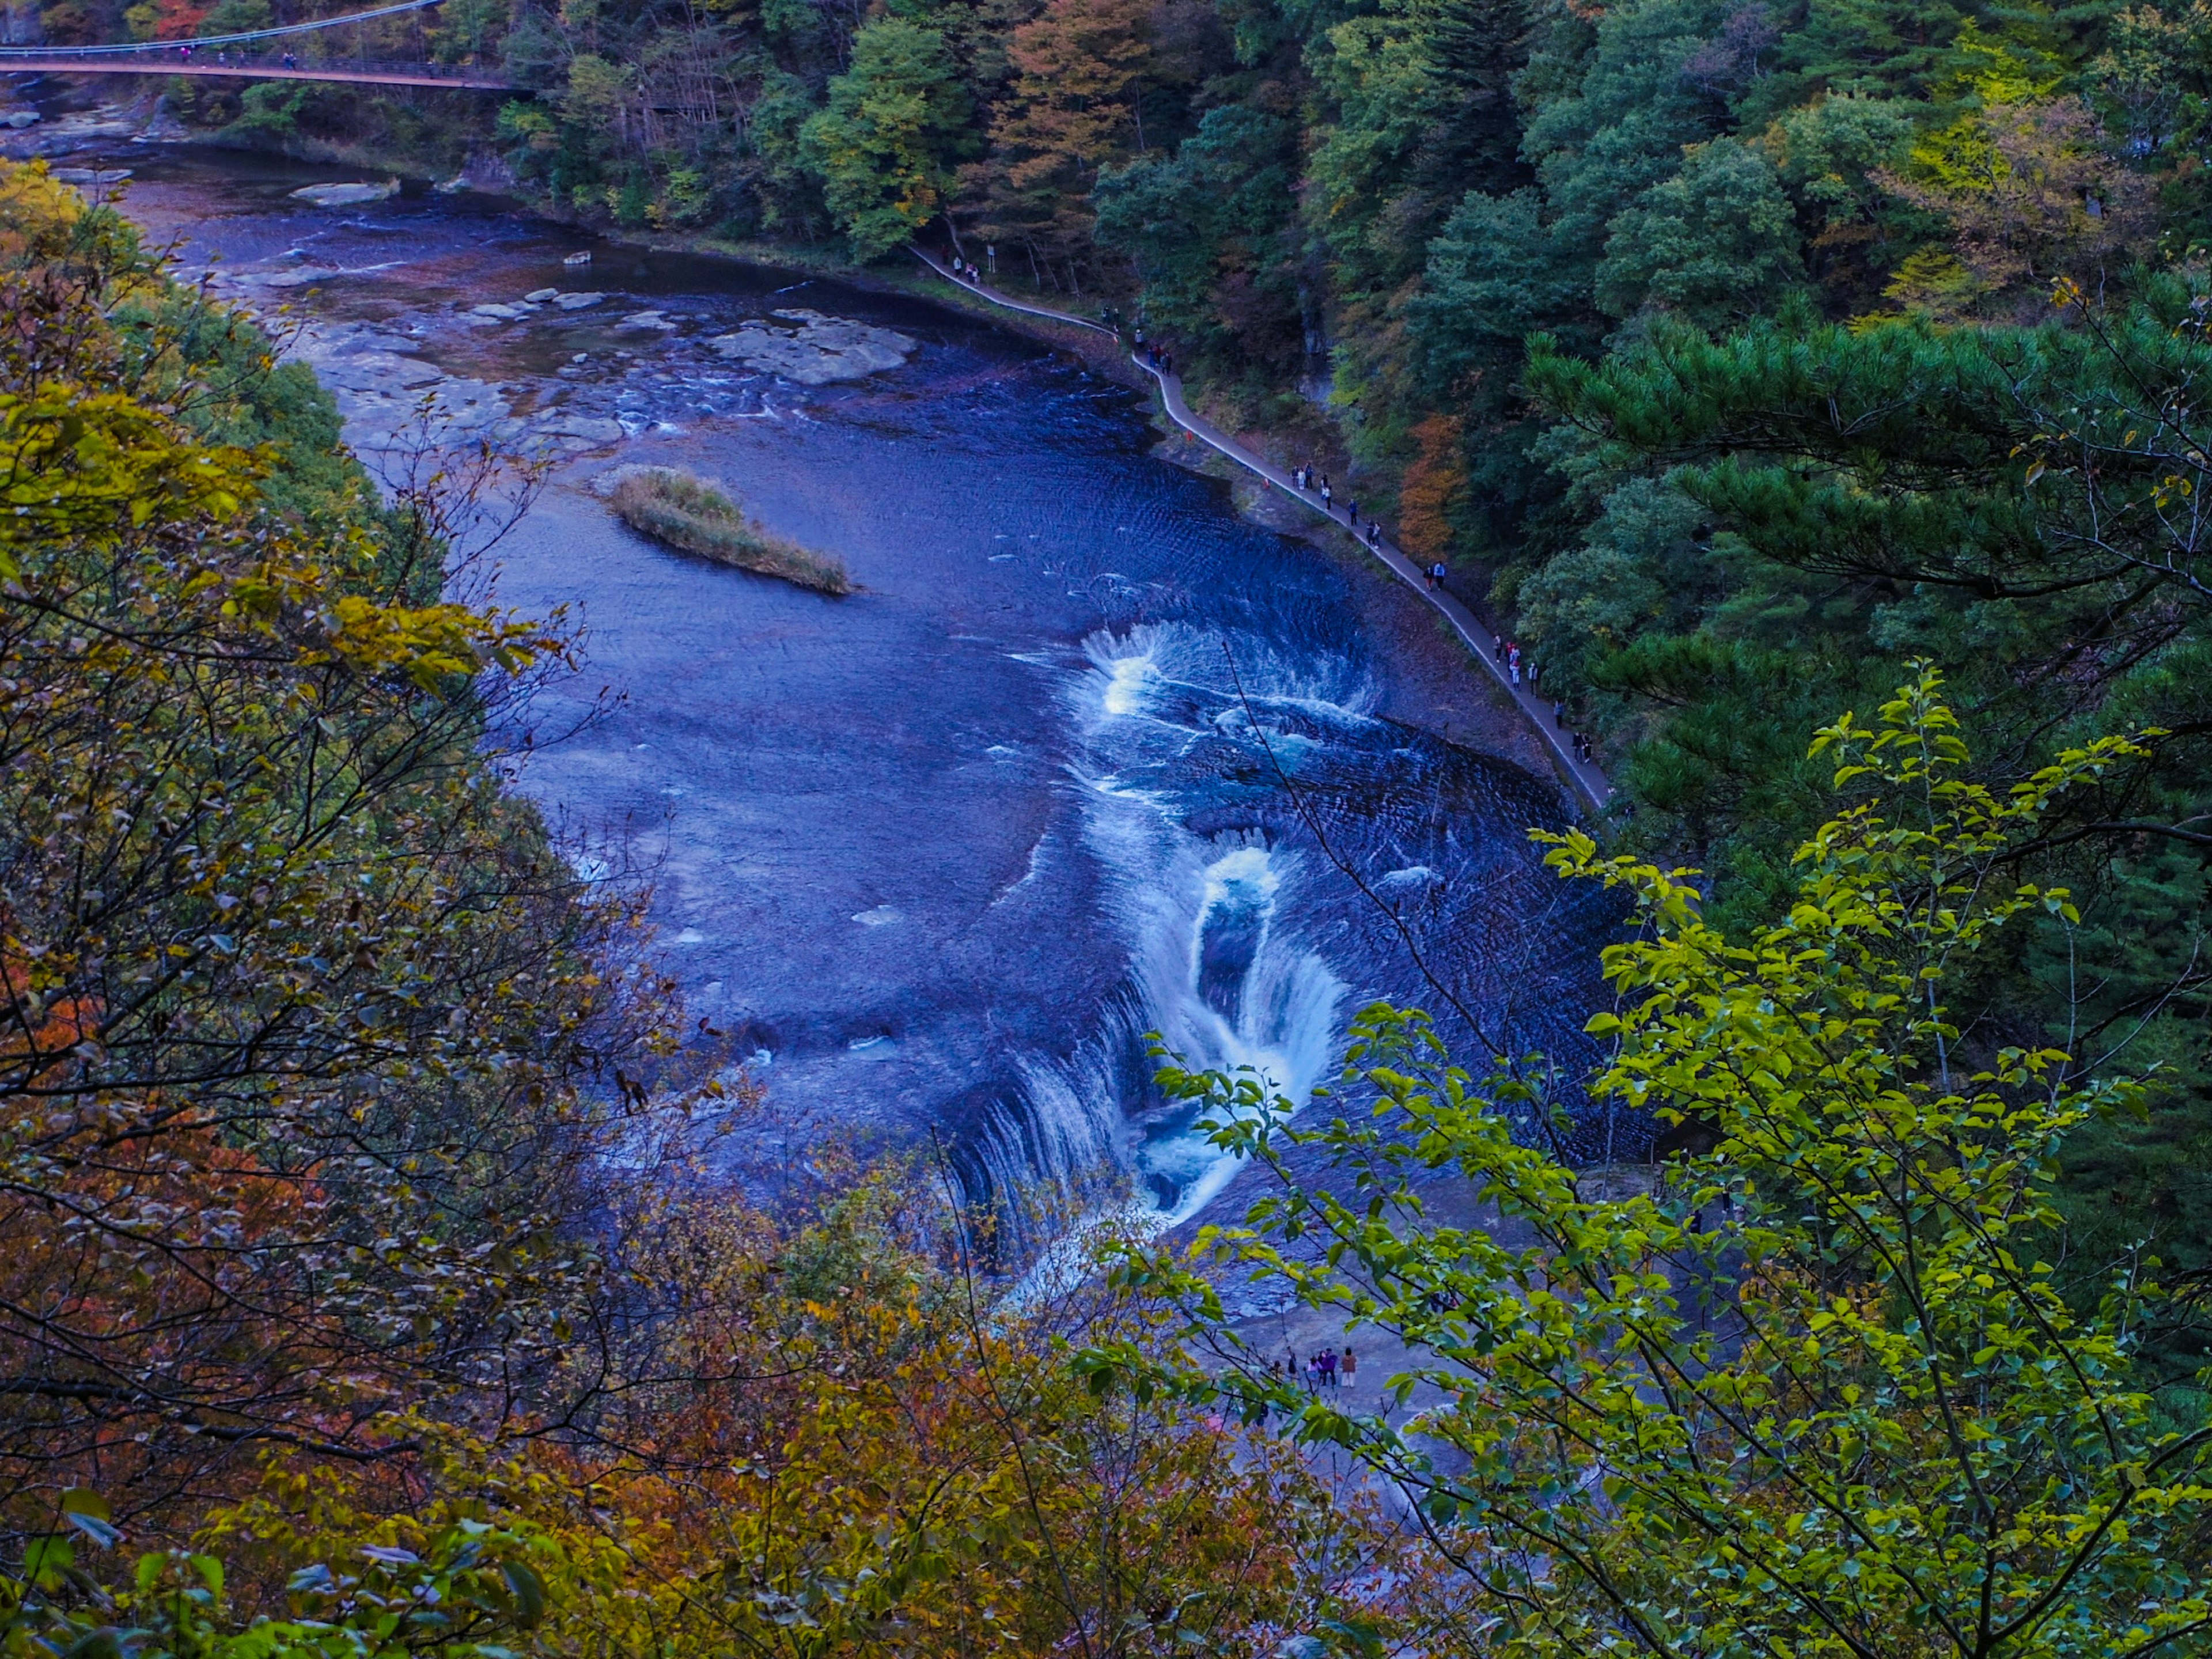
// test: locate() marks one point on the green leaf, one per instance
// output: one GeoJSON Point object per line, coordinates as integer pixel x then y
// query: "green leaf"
{"type": "Point", "coordinates": [45, 1561]}
{"type": "Point", "coordinates": [528, 1591]}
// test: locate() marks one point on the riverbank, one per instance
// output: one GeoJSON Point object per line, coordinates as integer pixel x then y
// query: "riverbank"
{"type": "Point", "coordinates": [1586, 783]}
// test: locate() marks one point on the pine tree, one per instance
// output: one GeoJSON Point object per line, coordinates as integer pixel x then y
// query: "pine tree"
{"type": "Point", "coordinates": [1478, 46]}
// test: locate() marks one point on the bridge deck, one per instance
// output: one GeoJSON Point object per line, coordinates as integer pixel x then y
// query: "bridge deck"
{"type": "Point", "coordinates": [413, 75]}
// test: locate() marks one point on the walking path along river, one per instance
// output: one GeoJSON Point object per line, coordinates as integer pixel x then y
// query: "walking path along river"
{"type": "Point", "coordinates": [1488, 649]}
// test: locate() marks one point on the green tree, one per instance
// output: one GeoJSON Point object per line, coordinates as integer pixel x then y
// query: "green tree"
{"type": "Point", "coordinates": [1715, 243]}
{"type": "Point", "coordinates": [1815, 1391]}
{"type": "Point", "coordinates": [1207, 230]}
{"type": "Point", "coordinates": [886, 145]}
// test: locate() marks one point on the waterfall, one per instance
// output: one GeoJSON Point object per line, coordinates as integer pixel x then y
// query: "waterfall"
{"type": "Point", "coordinates": [1218, 964]}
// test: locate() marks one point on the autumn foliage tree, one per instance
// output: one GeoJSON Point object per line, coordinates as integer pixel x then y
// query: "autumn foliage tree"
{"type": "Point", "coordinates": [2033, 195]}
{"type": "Point", "coordinates": [1072, 114]}
{"type": "Point", "coordinates": [834, 1440]}
{"type": "Point", "coordinates": [299, 1019]}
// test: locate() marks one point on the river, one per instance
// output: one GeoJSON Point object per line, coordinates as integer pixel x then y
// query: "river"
{"type": "Point", "coordinates": [1088, 756]}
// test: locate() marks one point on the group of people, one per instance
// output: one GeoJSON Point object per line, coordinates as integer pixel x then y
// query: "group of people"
{"type": "Point", "coordinates": [1327, 1370]}
{"type": "Point", "coordinates": [1304, 476]}
{"type": "Point", "coordinates": [966, 268]}
{"type": "Point", "coordinates": [1508, 658]}
{"type": "Point", "coordinates": [1305, 479]}
{"type": "Point", "coordinates": [1585, 749]}
{"type": "Point", "coordinates": [1163, 361]}
{"type": "Point", "coordinates": [290, 60]}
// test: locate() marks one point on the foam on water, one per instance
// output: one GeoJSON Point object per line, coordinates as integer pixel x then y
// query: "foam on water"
{"type": "Point", "coordinates": [1219, 965]}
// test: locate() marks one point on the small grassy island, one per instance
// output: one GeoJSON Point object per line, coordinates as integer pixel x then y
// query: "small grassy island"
{"type": "Point", "coordinates": [686, 511]}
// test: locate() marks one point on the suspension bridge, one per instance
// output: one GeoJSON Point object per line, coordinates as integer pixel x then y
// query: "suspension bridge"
{"type": "Point", "coordinates": [269, 54]}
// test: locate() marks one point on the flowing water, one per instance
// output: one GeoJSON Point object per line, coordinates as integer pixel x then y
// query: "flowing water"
{"type": "Point", "coordinates": [1088, 756]}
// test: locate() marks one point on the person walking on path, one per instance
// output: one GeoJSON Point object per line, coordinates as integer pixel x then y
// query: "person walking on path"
{"type": "Point", "coordinates": [1374, 533]}
{"type": "Point", "coordinates": [1352, 511]}
{"type": "Point", "coordinates": [1350, 1366]}
{"type": "Point", "coordinates": [1328, 497]}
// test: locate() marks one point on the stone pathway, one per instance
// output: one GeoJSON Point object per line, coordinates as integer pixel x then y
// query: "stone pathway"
{"type": "Point", "coordinates": [1484, 646]}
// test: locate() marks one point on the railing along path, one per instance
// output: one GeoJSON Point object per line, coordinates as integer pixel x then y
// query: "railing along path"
{"type": "Point", "coordinates": [1590, 781]}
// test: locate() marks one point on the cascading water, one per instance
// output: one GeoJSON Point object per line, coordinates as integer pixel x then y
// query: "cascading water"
{"type": "Point", "coordinates": [1222, 968]}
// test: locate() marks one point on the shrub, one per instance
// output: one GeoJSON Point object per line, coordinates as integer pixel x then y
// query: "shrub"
{"type": "Point", "coordinates": [687, 512]}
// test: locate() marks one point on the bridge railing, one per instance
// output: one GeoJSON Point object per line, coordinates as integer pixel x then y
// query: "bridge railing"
{"type": "Point", "coordinates": [242, 38]}
{"type": "Point", "coordinates": [231, 57]}
{"type": "Point", "coordinates": [299, 48]}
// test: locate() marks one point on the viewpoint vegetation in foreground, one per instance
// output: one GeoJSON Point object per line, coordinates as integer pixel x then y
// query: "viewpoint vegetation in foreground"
{"type": "Point", "coordinates": [687, 512]}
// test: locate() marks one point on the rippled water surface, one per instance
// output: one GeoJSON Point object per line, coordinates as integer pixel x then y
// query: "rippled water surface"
{"type": "Point", "coordinates": [1081, 760]}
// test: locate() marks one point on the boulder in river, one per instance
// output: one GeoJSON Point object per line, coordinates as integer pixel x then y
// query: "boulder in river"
{"type": "Point", "coordinates": [346, 194]}
{"type": "Point", "coordinates": [577, 259]}
{"type": "Point", "coordinates": [20, 119]}
{"type": "Point", "coordinates": [577, 301]}
{"type": "Point", "coordinates": [821, 350]}
{"type": "Point", "coordinates": [498, 313]}
{"type": "Point", "coordinates": [538, 296]}
{"type": "Point", "coordinates": [648, 320]}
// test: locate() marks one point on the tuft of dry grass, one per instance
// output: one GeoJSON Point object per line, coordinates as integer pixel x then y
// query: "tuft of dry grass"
{"type": "Point", "coordinates": [685, 511]}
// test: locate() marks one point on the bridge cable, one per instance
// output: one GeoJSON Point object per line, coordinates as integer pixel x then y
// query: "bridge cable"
{"type": "Point", "coordinates": [136, 47]}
